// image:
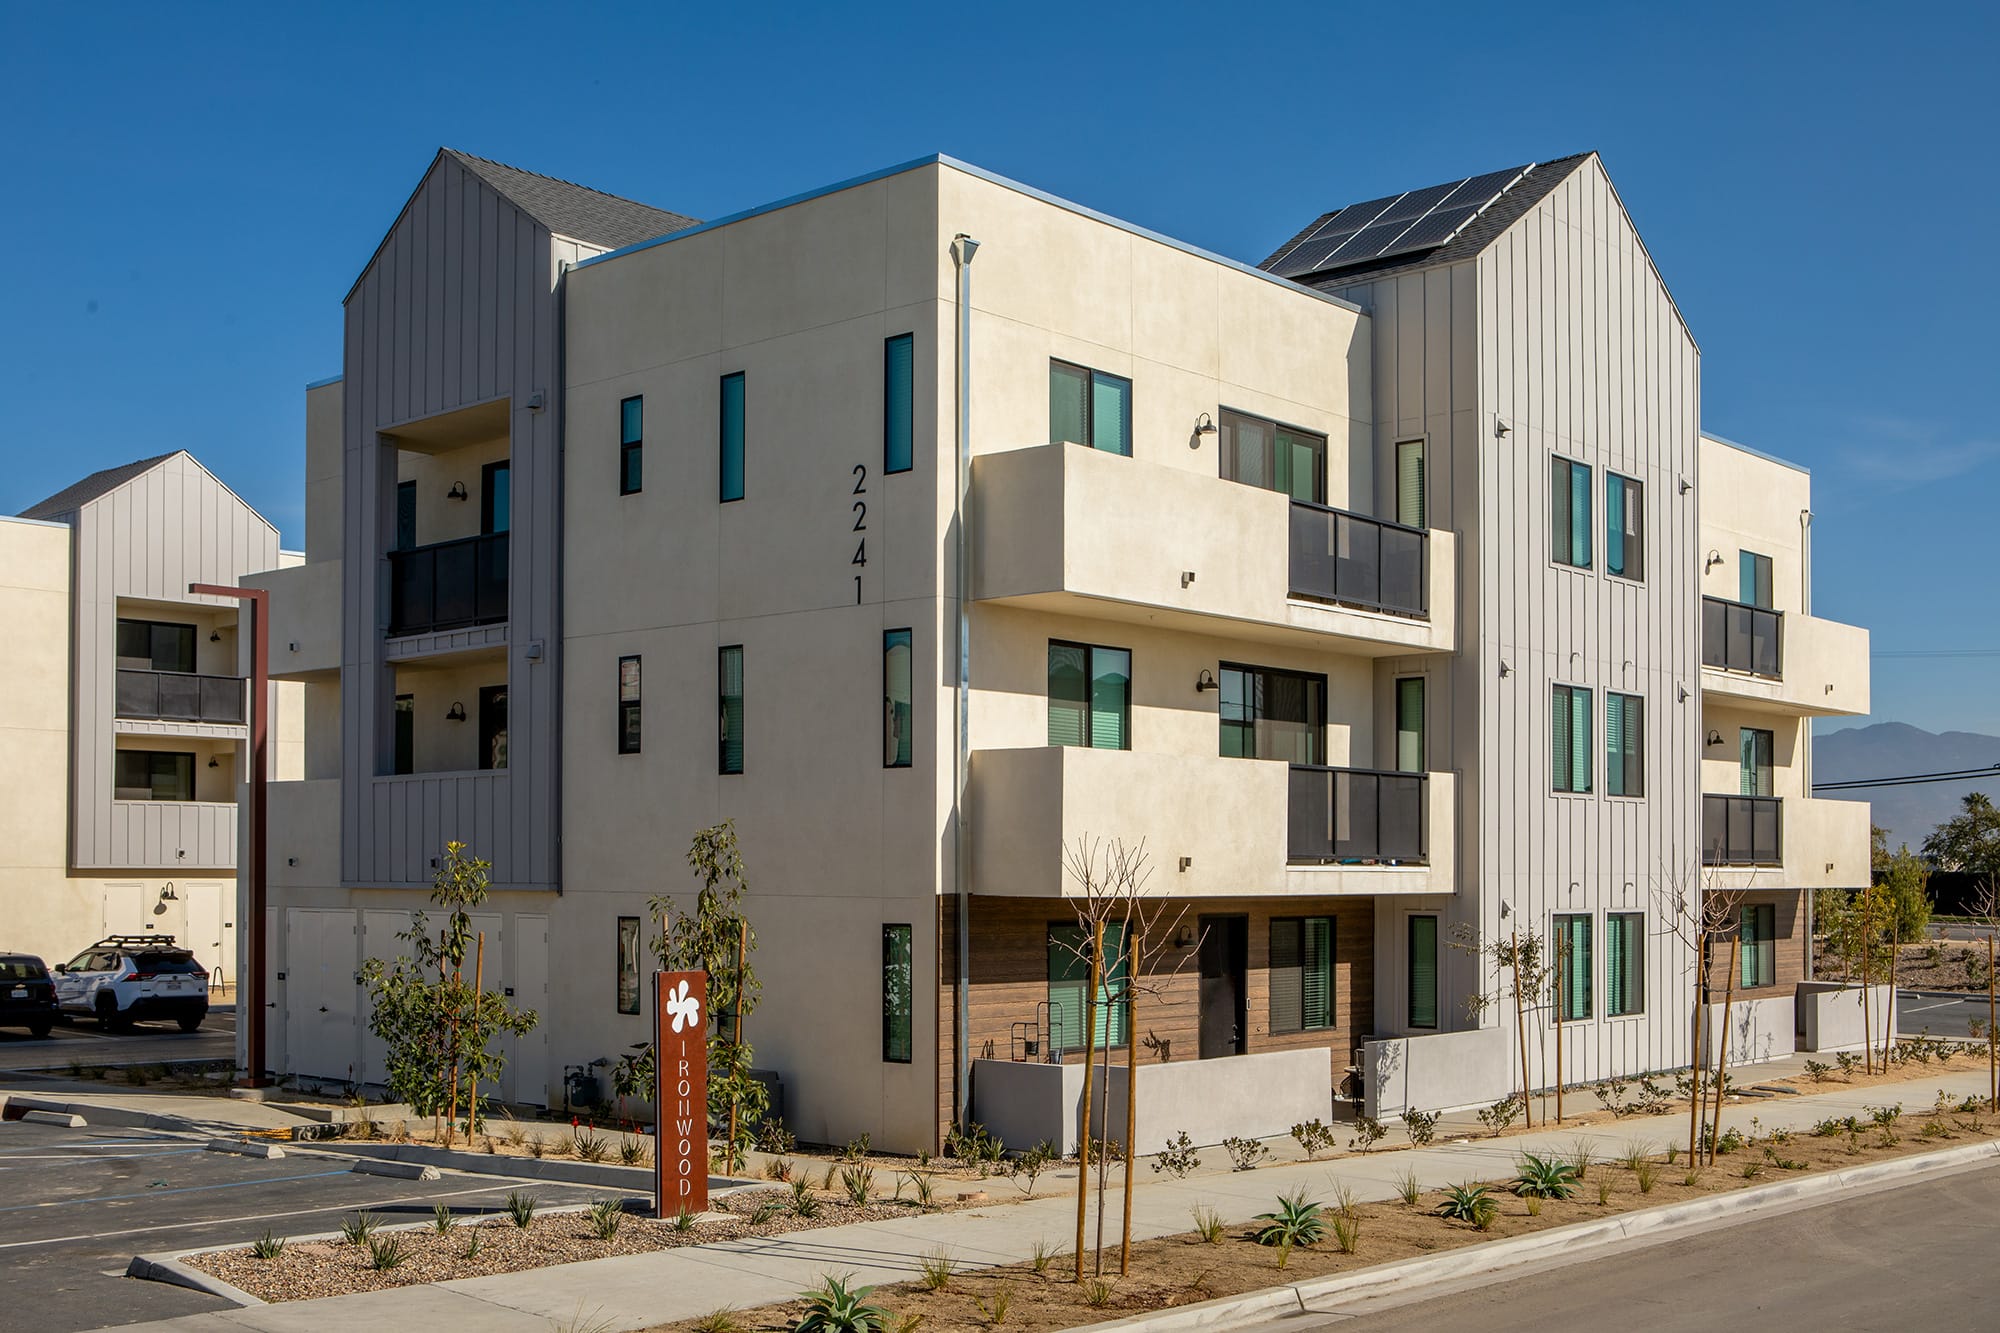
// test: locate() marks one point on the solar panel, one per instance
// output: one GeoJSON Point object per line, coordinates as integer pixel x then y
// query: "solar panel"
{"type": "Point", "coordinates": [1394, 225]}
{"type": "Point", "coordinates": [1436, 228]}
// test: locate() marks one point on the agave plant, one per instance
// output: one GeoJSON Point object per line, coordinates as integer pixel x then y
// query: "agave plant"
{"type": "Point", "coordinates": [1466, 1203]}
{"type": "Point", "coordinates": [1544, 1178]}
{"type": "Point", "coordinates": [836, 1307]}
{"type": "Point", "coordinates": [1296, 1222]}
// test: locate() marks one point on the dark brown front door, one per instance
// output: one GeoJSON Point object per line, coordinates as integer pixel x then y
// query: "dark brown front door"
{"type": "Point", "coordinates": [1225, 959]}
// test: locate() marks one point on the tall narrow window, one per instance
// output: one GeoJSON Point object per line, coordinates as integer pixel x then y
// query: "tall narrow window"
{"type": "Point", "coordinates": [631, 445]}
{"type": "Point", "coordinates": [898, 994]}
{"type": "Point", "coordinates": [1569, 738]}
{"type": "Point", "coordinates": [1089, 407]}
{"type": "Point", "coordinates": [1270, 714]}
{"type": "Point", "coordinates": [406, 734]}
{"type": "Point", "coordinates": [1410, 484]}
{"type": "Point", "coordinates": [628, 705]}
{"type": "Point", "coordinates": [897, 698]}
{"type": "Point", "coordinates": [493, 726]}
{"type": "Point", "coordinates": [496, 497]}
{"type": "Point", "coordinates": [1410, 724]}
{"type": "Point", "coordinates": [1624, 527]}
{"type": "Point", "coordinates": [406, 515]}
{"type": "Point", "coordinates": [1423, 972]}
{"type": "Point", "coordinates": [628, 964]}
{"type": "Point", "coordinates": [1756, 775]}
{"type": "Point", "coordinates": [1090, 696]}
{"type": "Point", "coordinates": [1279, 458]}
{"type": "Point", "coordinates": [1753, 579]}
{"type": "Point", "coordinates": [1624, 745]}
{"type": "Point", "coordinates": [729, 686]}
{"type": "Point", "coordinates": [1301, 974]}
{"type": "Point", "coordinates": [1572, 979]}
{"type": "Point", "coordinates": [899, 409]}
{"type": "Point", "coordinates": [732, 436]}
{"type": "Point", "coordinates": [1759, 957]}
{"type": "Point", "coordinates": [1624, 964]}
{"type": "Point", "coordinates": [1569, 513]}
{"type": "Point", "coordinates": [1069, 986]}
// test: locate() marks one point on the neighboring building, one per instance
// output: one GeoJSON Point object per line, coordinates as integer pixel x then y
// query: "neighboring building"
{"type": "Point", "coordinates": [124, 716]}
{"type": "Point", "coordinates": [624, 542]}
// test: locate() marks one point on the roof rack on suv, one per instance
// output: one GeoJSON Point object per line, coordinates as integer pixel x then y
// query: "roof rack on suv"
{"type": "Point", "coordinates": [139, 941]}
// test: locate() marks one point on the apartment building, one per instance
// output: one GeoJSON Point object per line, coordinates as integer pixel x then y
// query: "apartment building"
{"type": "Point", "coordinates": [925, 525]}
{"type": "Point", "coordinates": [124, 719]}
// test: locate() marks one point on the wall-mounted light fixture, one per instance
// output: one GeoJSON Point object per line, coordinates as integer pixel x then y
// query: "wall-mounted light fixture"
{"type": "Point", "coordinates": [535, 401]}
{"type": "Point", "coordinates": [1505, 670]}
{"type": "Point", "coordinates": [213, 762]}
{"type": "Point", "coordinates": [291, 860]}
{"type": "Point", "coordinates": [1186, 861]}
{"type": "Point", "coordinates": [1714, 738]}
{"type": "Point", "coordinates": [1205, 681]}
{"type": "Point", "coordinates": [1187, 577]}
{"type": "Point", "coordinates": [167, 894]}
{"type": "Point", "coordinates": [1714, 559]}
{"type": "Point", "coordinates": [1501, 430]}
{"type": "Point", "coordinates": [457, 492]}
{"type": "Point", "coordinates": [1686, 485]}
{"type": "Point", "coordinates": [455, 713]}
{"type": "Point", "coordinates": [1203, 425]}
{"type": "Point", "coordinates": [1184, 937]}
{"type": "Point", "coordinates": [215, 636]}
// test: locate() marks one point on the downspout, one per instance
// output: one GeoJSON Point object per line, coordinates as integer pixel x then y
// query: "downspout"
{"type": "Point", "coordinates": [963, 249]}
{"type": "Point", "coordinates": [1805, 608]}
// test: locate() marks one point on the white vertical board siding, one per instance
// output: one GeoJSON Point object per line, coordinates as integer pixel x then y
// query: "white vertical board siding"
{"type": "Point", "coordinates": [457, 308]}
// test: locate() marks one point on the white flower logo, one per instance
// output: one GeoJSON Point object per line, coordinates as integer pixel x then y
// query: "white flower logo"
{"type": "Point", "coordinates": [682, 1007]}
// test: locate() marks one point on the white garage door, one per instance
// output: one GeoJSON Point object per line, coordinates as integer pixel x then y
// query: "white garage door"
{"type": "Point", "coordinates": [321, 1000]}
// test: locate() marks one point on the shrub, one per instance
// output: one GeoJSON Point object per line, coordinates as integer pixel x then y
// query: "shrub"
{"type": "Point", "coordinates": [1635, 1153]}
{"type": "Point", "coordinates": [1346, 1231]}
{"type": "Point", "coordinates": [1368, 1131]}
{"type": "Point", "coordinates": [765, 1210]}
{"type": "Point", "coordinates": [1244, 1154]}
{"type": "Point", "coordinates": [1031, 1164]}
{"type": "Point", "coordinates": [1580, 1158]}
{"type": "Point", "coordinates": [723, 1320]}
{"type": "Point", "coordinates": [1502, 1113]}
{"type": "Point", "coordinates": [442, 1218]}
{"type": "Point", "coordinates": [1207, 1224]}
{"type": "Point", "coordinates": [357, 1229]}
{"type": "Point", "coordinates": [1178, 1158]}
{"type": "Point", "coordinates": [804, 1202]}
{"type": "Point", "coordinates": [1313, 1138]}
{"type": "Point", "coordinates": [472, 1244]}
{"type": "Point", "coordinates": [386, 1253]}
{"type": "Point", "coordinates": [634, 1152]}
{"type": "Point", "coordinates": [859, 1182]}
{"type": "Point", "coordinates": [1534, 1203]}
{"type": "Point", "coordinates": [521, 1207]}
{"type": "Point", "coordinates": [973, 1146]}
{"type": "Point", "coordinates": [1653, 1099]}
{"type": "Point", "coordinates": [683, 1221]}
{"type": "Point", "coordinates": [934, 1270]}
{"type": "Point", "coordinates": [775, 1139]}
{"type": "Point", "coordinates": [1540, 1178]}
{"type": "Point", "coordinates": [834, 1307]}
{"type": "Point", "coordinates": [1297, 1221]}
{"type": "Point", "coordinates": [1422, 1126]}
{"type": "Point", "coordinates": [1408, 1189]}
{"type": "Point", "coordinates": [856, 1149]}
{"type": "Point", "coordinates": [267, 1246]}
{"type": "Point", "coordinates": [923, 1190]}
{"type": "Point", "coordinates": [1647, 1174]}
{"type": "Point", "coordinates": [1610, 1095]}
{"type": "Point", "coordinates": [1040, 1256]}
{"type": "Point", "coordinates": [590, 1146]}
{"type": "Point", "coordinates": [1884, 1116]}
{"type": "Point", "coordinates": [995, 1306]}
{"type": "Point", "coordinates": [1603, 1191]}
{"type": "Point", "coordinates": [1097, 1293]}
{"type": "Point", "coordinates": [606, 1215]}
{"type": "Point", "coordinates": [1466, 1203]}
{"type": "Point", "coordinates": [1848, 1062]}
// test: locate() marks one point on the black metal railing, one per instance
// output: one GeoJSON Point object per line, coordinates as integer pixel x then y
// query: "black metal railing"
{"type": "Point", "coordinates": [448, 585]}
{"type": "Point", "coordinates": [1742, 831]}
{"type": "Point", "coordinates": [1358, 561]}
{"type": "Point", "coordinates": [179, 696]}
{"type": "Point", "coordinates": [1355, 816]}
{"type": "Point", "coordinates": [1737, 637]}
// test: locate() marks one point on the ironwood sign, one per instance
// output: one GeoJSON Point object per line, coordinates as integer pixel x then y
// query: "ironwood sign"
{"type": "Point", "coordinates": [680, 1138]}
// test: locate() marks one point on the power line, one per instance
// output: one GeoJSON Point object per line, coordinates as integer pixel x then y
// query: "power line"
{"type": "Point", "coordinates": [1911, 779]}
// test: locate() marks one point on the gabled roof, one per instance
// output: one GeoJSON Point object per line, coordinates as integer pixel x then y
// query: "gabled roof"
{"type": "Point", "coordinates": [572, 210]}
{"type": "Point", "coordinates": [1535, 182]}
{"type": "Point", "coordinates": [72, 498]}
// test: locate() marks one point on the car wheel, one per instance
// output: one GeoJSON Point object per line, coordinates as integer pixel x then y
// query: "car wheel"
{"type": "Point", "coordinates": [107, 1015]}
{"type": "Point", "coordinates": [41, 1027]}
{"type": "Point", "coordinates": [190, 1022]}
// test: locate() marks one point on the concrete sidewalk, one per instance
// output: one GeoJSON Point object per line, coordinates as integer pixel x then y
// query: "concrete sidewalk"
{"type": "Point", "coordinates": [640, 1290]}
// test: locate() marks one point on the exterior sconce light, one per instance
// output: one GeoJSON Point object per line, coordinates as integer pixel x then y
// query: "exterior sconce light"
{"type": "Point", "coordinates": [1186, 861]}
{"type": "Point", "coordinates": [1686, 485]}
{"type": "Point", "coordinates": [1680, 694]}
{"type": "Point", "coordinates": [167, 894]}
{"type": "Point", "coordinates": [457, 492]}
{"type": "Point", "coordinates": [1184, 937]}
{"type": "Point", "coordinates": [213, 762]}
{"type": "Point", "coordinates": [1714, 559]}
{"type": "Point", "coordinates": [1205, 681]}
{"type": "Point", "coordinates": [1203, 425]}
{"type": "Point", "coordinates": [215, 636]}
{"type": "Point", "coordinates": [1501, 430]}
{"type": "Point", "coordinates": [1187, 577]}
{"type": "Point", "coordinates": [1505, 671]}
{"type": "Point", "coordinates": [1714, 738]}
{"type": "Point", "coordinates": [455, 713]}
{"type": "Point", "coordinates": [535, 401]}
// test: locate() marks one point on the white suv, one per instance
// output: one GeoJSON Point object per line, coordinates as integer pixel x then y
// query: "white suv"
{"type": "Point", "coordinates": [125, 978]}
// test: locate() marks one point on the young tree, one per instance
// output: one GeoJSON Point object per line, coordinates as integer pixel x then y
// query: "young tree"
{"type": "Point", "coordinates": [438, 1026]}
{"type": "Point", "coordinates": [1905, 897]}
{"type": "Point", "coordinates": [1529, 987]}
{"type": "Point", "coordinates": [1703, 917]}
{"type": "Point", "coordinates": [1969, 842]}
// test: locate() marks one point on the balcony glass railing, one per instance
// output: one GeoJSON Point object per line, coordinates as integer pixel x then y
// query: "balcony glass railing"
{"type": "Point", "coordinates": [1742, 831]}
{"type": "Point", "coordinates": [448, 585]}
{"type": "Point", "coordinates": [176, 696]}
{"type": "Point", "coordinates": [1358, 561]}
{"type": "Point", "coordinates": [1737, 637]}
{"type": "Point", "coordinates": [1355, 816]}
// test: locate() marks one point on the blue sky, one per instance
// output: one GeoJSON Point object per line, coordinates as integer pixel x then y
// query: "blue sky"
{"type": "Point", "coordinates": [191, 189]}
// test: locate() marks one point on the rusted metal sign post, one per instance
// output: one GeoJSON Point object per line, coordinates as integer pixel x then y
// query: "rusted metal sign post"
{"type": "Point", "coordinates": [680, 1136]}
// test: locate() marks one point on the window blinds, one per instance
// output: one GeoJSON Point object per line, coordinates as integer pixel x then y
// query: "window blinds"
{"type": "Point", "coordinates": [1423, 972]}
{"type": "Point", "coordinates": [1410, 483]}
{"type": "Point", "coordinates": [1110, 413]}
{"type": "Point", "coordinates": [1069, 986]}
{"type": "Point", "coordinates": [1574, 967]}
{"type": "Point", "coordinates": [1069, 404]}
{"type": "Point", "coordinates": [1625, 963]}
{"type": "Point", "coordinates": [730, 671]}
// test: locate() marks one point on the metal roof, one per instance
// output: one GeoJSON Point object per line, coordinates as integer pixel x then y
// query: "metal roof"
{"type": "Point", "coordinates": [74, 497]}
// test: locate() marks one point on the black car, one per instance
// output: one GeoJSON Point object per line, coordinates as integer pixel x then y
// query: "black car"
{"type": "Point", "coordinates": [27, 995]}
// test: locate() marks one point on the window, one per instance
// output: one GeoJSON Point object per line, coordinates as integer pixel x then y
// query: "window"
{"type": "Point", "coordinates": [899, 410]}
{"type": "Point", "coordinates": [628, 964]}
{"type": "Point", "coordinates": [151, 645]}
{"type": "Point", "coordinates": [406, 734]}
{"type": "Point", "coordinates": [732, 436]}
{"type": "Point", "coordinates": [1089, 407]}
{"type": "Point", "coordinates": [1277, 458]}
{"type": "Point", "coordinates": [1069, 986]}
{"type": "Point", "coordinates": [1758, 963]}
{"type": "Point", "coordinates": [1269, 714]}
{"type": "Point", "coordinates": [496, 502]}
{"type": "Point", "coordinates": [1624, 527]}
{"type": "Point", "coordinates": [1411, 487]}
{"type": "Point", "coordinates": [1569, 738]}
{"type": "Point", "coordinates": [1301, 974]}
{"type": "Point", "coordinates": [898, 992]}
{"type": "Point", "coordinates": [628, 705]}
{"type": "Point", "coordinates": [493, 726]}
{"type": "Point", "coordinates": [1624, 745]}
{"type": "Point", "coordinates": [1410, 724]}
{"type": "Point", "coordinates": [1423, 1006]}
{"type": "Point", "coordinates": [1624, 964]}
{"type": "Point", "coordinates": [1755, 764]}
{"type": "Point", "coordinates": [1572, 963]}
{"type": "Point", "coordinates": [154, 775]}
{"type": "Point", "coordinates": [406, 515]}
{"type": "Point", "coordinates": [1753, 579]}
{"type": "Point", "coordinates": [631, 446]}
{"type": "Point", "coordinates": [1090, 696]}
{"type": "Point", "coordinates": [896, 699]}
{"type": "Point", "coordinates": [730, 709]}
{"type": "Point", "coordinates": [1569, 513]}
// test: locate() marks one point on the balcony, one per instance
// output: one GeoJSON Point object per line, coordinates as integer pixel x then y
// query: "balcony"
{"type": "Point", "coordinates": [448, 585]}
{"type": "Point", "coordinates": [1783, 662]}
{"type": "Point", "coordinates": [1742, 831]}
{"type": "Point", "coordinates": [1212, 826]}
{"type": "Point", "coordinates": [1083, 532]}
{"type": "Point", "coordinates": [305, 618]}
{"type": "Point", "coordinates": [1793, 842]}
{"type": "Point", "coordinates": [175, 696]}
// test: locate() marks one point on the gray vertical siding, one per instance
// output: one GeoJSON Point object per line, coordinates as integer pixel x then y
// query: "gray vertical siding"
{"type": "Point", "coordinates": [457, 308]}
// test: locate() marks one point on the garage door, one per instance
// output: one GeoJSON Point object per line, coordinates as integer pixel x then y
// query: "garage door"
{"type": "Point", "coordinates": [321, 1001]}
{"type": "Point", "coordinates": [528, 1056]}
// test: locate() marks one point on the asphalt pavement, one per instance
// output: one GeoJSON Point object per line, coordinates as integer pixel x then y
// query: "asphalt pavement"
{"type": "Point", "coordinates": [1939, 1013]}
{"type": "Point", "coordinates": [83, 1041]}
{"type": "Point", "coordinates": [77, 1204]}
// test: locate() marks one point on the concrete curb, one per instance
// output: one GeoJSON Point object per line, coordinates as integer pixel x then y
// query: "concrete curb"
{"type": "Point", "coordinates": [1480, 1260]}
{"type": "Point", "coordinates": [67, 1119]}
{"type": "Point", "coordinates": [95, 1113]}
{"type": "Point", "coordinates": [399, 1170]}
{"type": "Point", "coordinates": [637, 1179]}
{"type": "Point", "coordinates": [244, 1148]}
{"type": "Point", "coordinates": [169, 1268]}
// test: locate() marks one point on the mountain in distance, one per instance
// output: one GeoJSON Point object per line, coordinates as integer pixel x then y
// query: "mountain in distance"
{"type": "Point", "coordinates": [1893, 749]}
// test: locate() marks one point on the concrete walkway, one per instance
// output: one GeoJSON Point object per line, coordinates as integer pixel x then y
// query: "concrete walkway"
{"type": "Point", "coordinates": [640, 1290]}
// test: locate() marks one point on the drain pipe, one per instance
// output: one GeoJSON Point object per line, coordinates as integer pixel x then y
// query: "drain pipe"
{"type": "Point", "coordinates": [963, 249]}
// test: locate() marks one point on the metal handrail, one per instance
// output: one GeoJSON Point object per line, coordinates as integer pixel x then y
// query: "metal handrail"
{"type": "Point", "coordinates": [448, 585]}
{"type": "Point", "coordinates": [1323, 569]}
{"type": "Point", "coordinates": [1384, 819]}
{"type": "Point", "coordinates": [1742, 830]}
{"type": "Point", "coordinates": [179, 696]}
{"type": "Point", "coordinates": [1736, 636]}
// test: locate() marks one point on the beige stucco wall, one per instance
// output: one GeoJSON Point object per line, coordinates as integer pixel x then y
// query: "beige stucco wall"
{"type": "Point", "coordinates": [1752, 503]}
{"type": "Point", "coordinates": [439, 517]}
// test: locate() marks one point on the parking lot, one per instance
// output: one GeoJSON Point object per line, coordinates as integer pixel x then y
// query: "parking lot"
{"type": "Point", "coordinates": [83, 1041]}
{"type": "Point", "coordinates": [77, 1204]}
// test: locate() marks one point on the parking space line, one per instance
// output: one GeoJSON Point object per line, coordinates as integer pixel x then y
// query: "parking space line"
{"type": "Point", "coordinates": [7, 1158]}
{"type": "Point", "coordinates": [154, 1194]}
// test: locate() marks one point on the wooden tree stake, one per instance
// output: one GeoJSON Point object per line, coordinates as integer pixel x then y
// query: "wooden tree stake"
{"type": "Point", "coordinates": [1722, 1060]}
{"type": "Point", "coordinates": [1992, 1052]}
{"type": "Point", "coordinates": [1695, 1099]}
{"type": "Point", "coordinates": [478, 989]}
{"type": "Point", "coordinates": [1089, 1059]}
{"type": "Point", "coordinates": [1562, 1012]}
{"type": "Point", "coordinates": [1521, 1036]}
{"type": "Point", "coordinates": [1131, 1108]}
